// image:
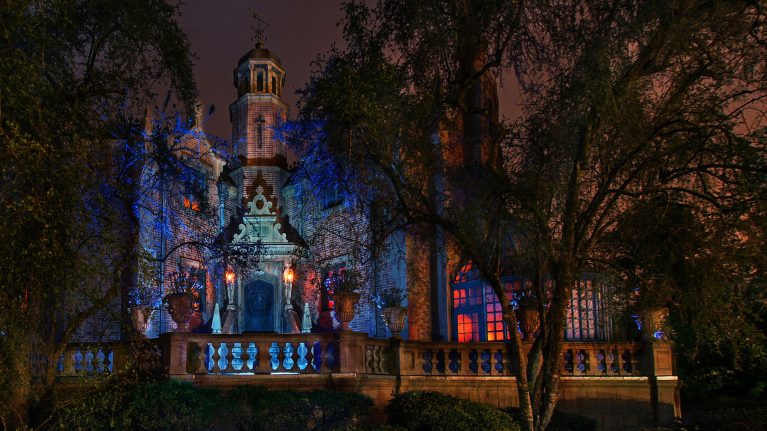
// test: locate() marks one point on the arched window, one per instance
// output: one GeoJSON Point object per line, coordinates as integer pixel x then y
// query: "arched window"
{"type": "Point", "coordinates": [274, 85]}
{"type": "Point", "coordinates": [260, 82]}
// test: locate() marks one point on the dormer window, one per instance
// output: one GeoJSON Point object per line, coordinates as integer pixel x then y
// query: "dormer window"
{"type": "Point", "coordinates": [330, 197]}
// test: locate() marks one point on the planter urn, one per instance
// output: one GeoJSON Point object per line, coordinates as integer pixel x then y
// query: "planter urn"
{"type": "Point", "coordinates": [345, 309]}
{"type": "Point", "coordinates": [141, 316]}
{"type": "Point", "coordinates": [529, 322]}
{"type": "Point", "coordinates": [181, 308]}
{"type": "Point", "coordinates": [395, 319]}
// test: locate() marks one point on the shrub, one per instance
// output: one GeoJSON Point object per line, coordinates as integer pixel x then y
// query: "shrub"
{"type": "Point", "coordinates": [170, 405]}
{"type": "Point", "coordinates": [432, 411]}
{"type": "Point", "coordinates": [258, 408]}
{"type": "Point", "coordinates": [162, 405]}
{"type": "Point", "coordinates": [174, 405]}
{"type": "Point", "coordinates": [562, 421]}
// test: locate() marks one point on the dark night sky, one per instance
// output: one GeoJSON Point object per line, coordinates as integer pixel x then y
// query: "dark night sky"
{"type": "Point", "coordinates": [220, 32]}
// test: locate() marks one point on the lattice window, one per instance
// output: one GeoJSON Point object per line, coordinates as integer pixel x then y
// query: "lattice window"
{"type": "Point", "coordinates": [496, 330]}
{"type": "Point", "coordinates": [459, 298]}
{"type": "Point", "coordinates": [468, 327]}
{"type": "Point", "coordinates": [588, 317]}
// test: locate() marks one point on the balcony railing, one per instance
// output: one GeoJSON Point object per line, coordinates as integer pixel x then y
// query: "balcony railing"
{"type": "Point", "coordinates": [188, 355]}
{"type": "Point", "coordinates": [194, 354]}
{"type": "Point", "coordinates": [260, 353]}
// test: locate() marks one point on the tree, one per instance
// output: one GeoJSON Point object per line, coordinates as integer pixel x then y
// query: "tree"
{"type": "Point", "coordinates": [72, 72]}
{"type": "Point", "coordinates": [623, 101]}
{"type": "Point", "coordinates": [709, 273]}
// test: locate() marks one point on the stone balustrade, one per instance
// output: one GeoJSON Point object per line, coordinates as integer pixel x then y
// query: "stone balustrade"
{"type": "Point", "coordinates": [82, 359]}
{"type": "Point", "coordinates": [603, 380]}
{"type": "Point", "coordinates": [351, 352]}
{"type": "Point", "coordinates": [192, 354]}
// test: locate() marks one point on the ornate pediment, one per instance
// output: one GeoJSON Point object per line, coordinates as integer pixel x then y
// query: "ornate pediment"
{"type": "Point", "coordinates": [260, 205]}
{"type": "Point", "coordinates": [260, 222]}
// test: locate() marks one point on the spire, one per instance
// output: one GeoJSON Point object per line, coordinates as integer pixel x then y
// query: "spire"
{"type": "Point", "coordinates": [259, 28]}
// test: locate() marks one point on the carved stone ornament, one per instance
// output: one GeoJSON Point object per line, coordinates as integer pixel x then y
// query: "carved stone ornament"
{"type": "Point", "coordinates": [260, 223]}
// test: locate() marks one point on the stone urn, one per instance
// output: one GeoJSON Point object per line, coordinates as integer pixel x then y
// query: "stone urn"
{"type": "Point", "coordinates": [654, 321]}
{"type": "Point", "coordinates": [529, 322]}
{"type": "Point", "coordinates": [345, 308]}
{"type": "Point", "coordinates": [181, 308]}
{"type": "Point", "coordinates": [395, 319]}
{"type": "Point", "coordinates": [141, 315]}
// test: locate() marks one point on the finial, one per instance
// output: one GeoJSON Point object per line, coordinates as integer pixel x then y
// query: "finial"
{"type": "Point", "coordinates": [259, 28]}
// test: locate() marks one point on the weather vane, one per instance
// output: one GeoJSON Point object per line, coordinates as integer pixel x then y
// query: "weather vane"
{"type": "Point", "coordinates": [259, 28]}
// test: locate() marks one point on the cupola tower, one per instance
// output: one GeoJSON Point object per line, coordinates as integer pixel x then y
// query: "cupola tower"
{"type": "Point", "coordinates": [258, 111]}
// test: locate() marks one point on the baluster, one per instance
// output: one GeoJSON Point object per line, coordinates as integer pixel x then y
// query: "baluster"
{"type": "Point", "coordinates": [209, 352]}
{"type": "Point", "coordinates": [498, 356]}
{"type": "Point", "coordinates": [441, 361]}
{"type": "Point", "coordinates": [89, 360]}
{"type": "Point", "coordinates": [427, 365]}
{"type": "Point", "coordinates": [317, 356]}
{"type": "Point", "coordinates": [383, 366]}
{"type": "Point", "coordinates": [274, 352]}
{"type": "Point", "coordinates": [302, 351]}
{"type": "Point", "coordinates": [110, 361]}
{"type": "Point", "coordinates": [217, 359]}
{"type": "Point", "coordinates": [626, 362]}
{"type": "Point", "coordinates": [369, 361]}
{"type": "Point", "coordinates": [612, 361]}
{"type": "Point", "coordinates": [567, 361]}
{"type": "Point", "coordinates": [98, 361]}
{"type": "Point", "coordinates": [455, 361]}
{"type": "Point", "coordinates": [236, 354]}
{"type": "Point", "coordinates": [150, 358]}
{"type": "Point", "coordinates": [252, 357]}
{"type": "Point", "coordinates": [78, 361]}
{"type": "Point", "coordinates": [583, 361]}
{"type": "Point", "coordinates": [473, 356]}
{"type": "Point", "coordinates": [288, 362]}
{"type": "Point", "coordinates": [601, 359]}
{"type": "Point", "coordinates": [223, 351]}
{"type": "Point", "coordinates": [486, 367]}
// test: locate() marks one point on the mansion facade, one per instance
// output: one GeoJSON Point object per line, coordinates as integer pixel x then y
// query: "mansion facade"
{"type": "Point", "coordinates": [246, 195]}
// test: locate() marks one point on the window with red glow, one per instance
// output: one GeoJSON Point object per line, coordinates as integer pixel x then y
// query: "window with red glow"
{"type": "Point", "coordinates": [495, 329]}
{"type": "Point", "coordinates": [193, 192]}
{"type": "Point", "coordinates": [468, 327]}
{"type": "Point", "coordinates": [459, 298]}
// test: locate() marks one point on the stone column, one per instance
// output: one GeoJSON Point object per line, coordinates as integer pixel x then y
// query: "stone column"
{"type": "Point", "coordinates": [351, 352]}
{"type": "Point", "coordinates": [658, 364]}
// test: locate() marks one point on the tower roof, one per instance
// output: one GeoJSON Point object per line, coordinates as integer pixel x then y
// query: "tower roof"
{"type": "Point", "coordinates": [259, 52]}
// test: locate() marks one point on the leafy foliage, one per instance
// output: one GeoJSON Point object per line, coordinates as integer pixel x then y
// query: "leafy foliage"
{"type": "Point", "coordinates": [115, 404]}
{"type": "Point", "coordinates": [258, 408]}
{"type": "Point", "coordinates": [432, 411]}
{"type": "Point", "coordinates": [622, 101]}
{"type": "Point", "coordinates": [72, 72]}
{"type": "Point", "coordinates": [174, 405]}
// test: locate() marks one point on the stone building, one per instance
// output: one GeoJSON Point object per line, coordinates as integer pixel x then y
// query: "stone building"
{"type": "Point", "coordinates": [244, 192]}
